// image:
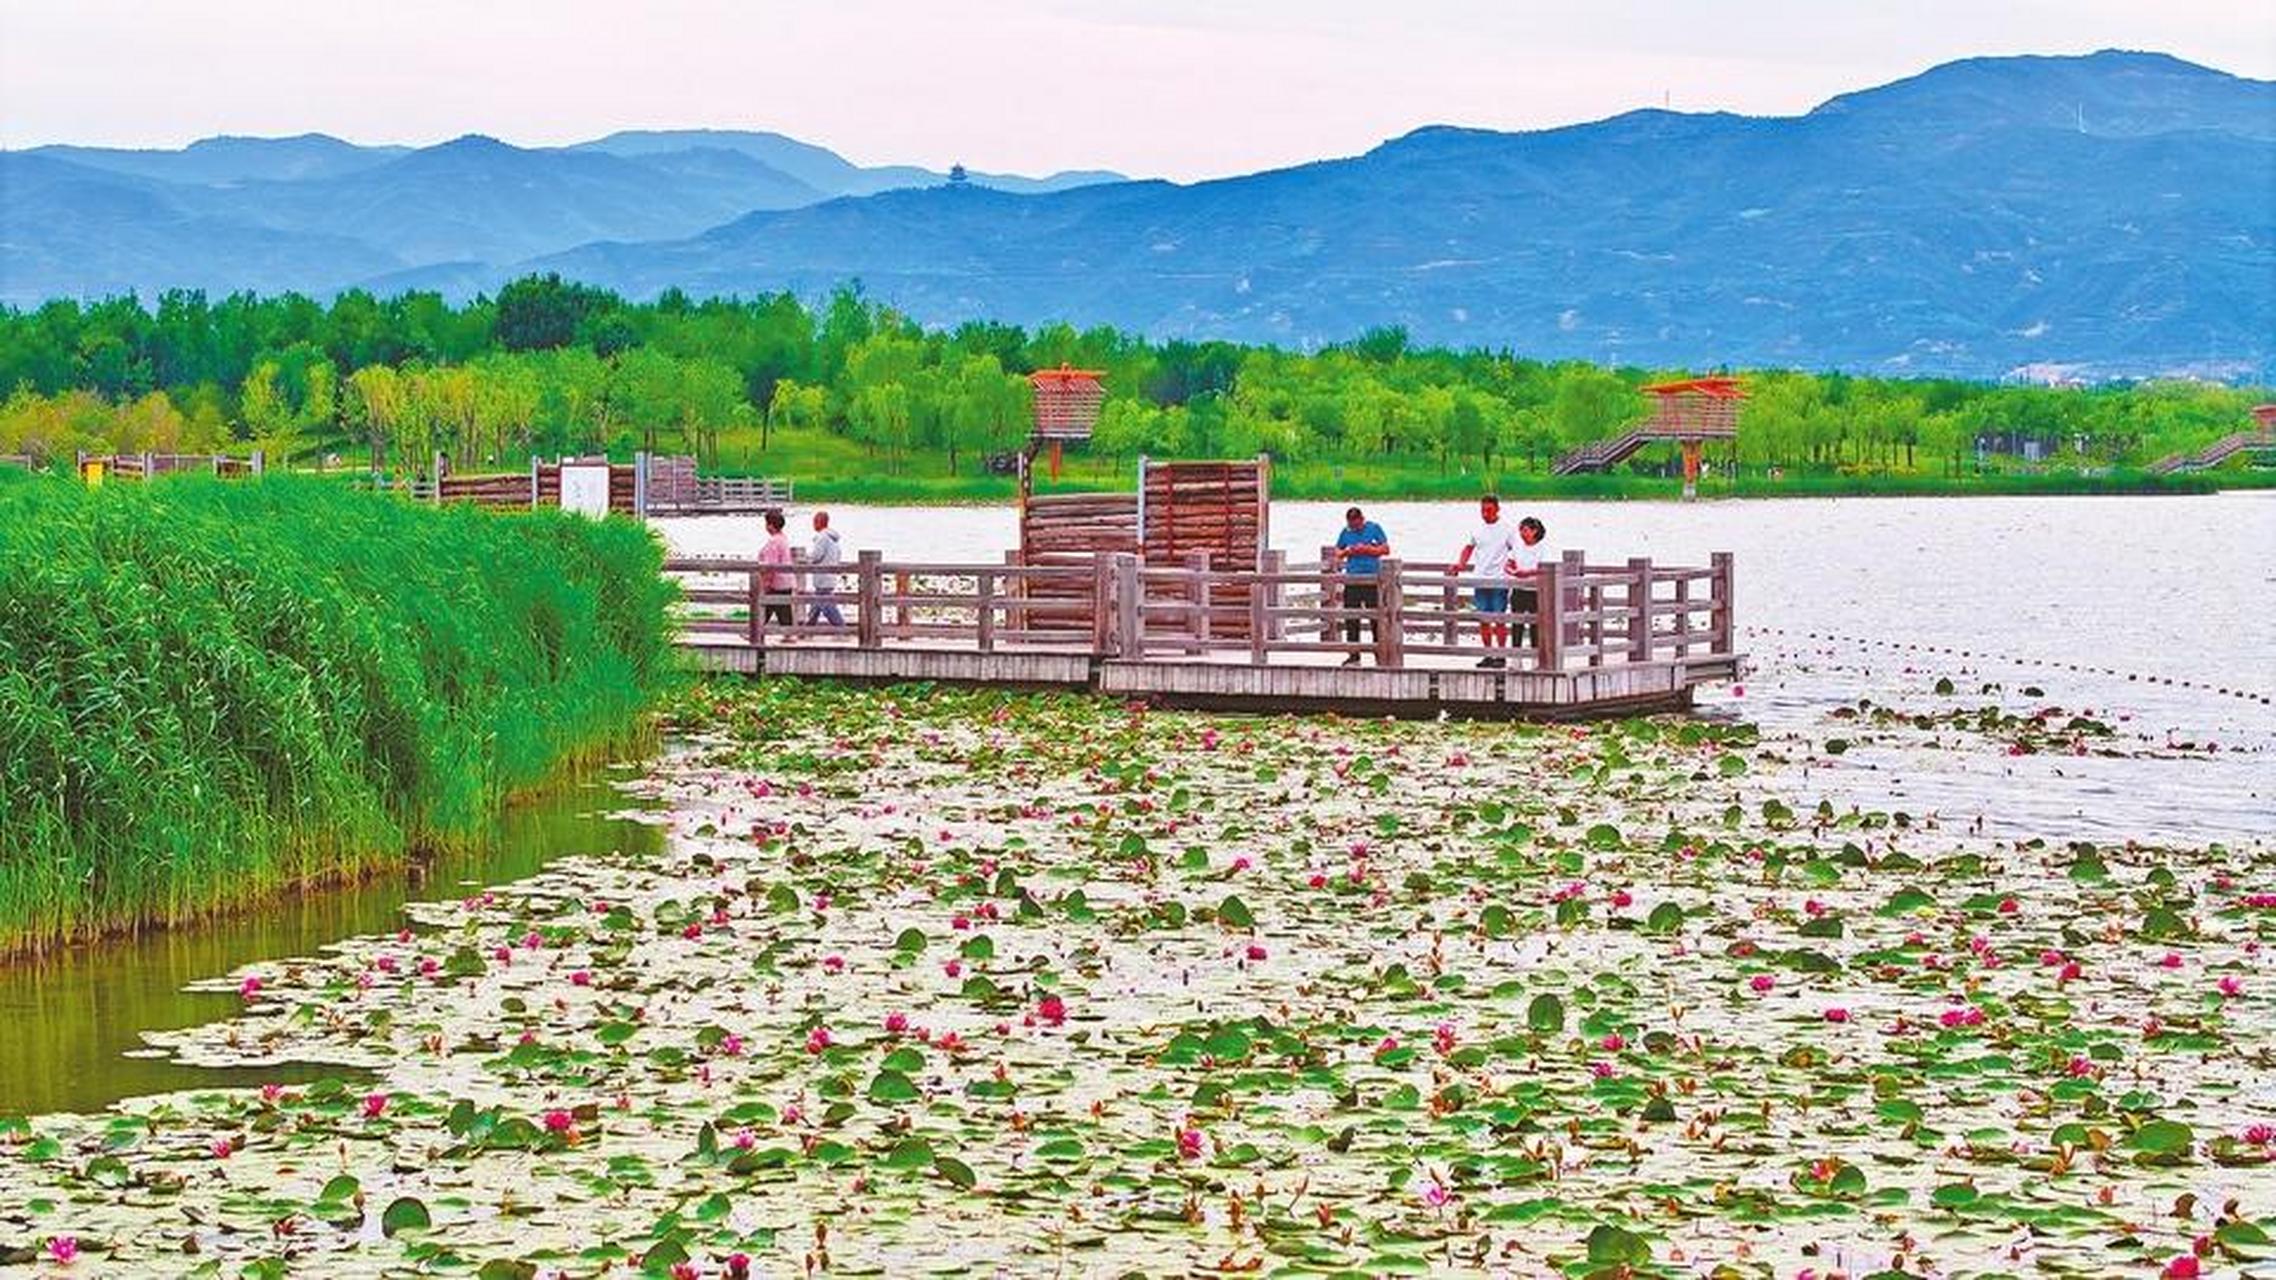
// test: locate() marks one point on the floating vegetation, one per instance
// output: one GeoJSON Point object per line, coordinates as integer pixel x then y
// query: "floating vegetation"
{"type": "Point", "coordinates": [932, 981]}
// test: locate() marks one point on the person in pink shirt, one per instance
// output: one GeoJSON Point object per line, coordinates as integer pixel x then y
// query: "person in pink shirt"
{"type": "Point", "coordinates": [776, 584]}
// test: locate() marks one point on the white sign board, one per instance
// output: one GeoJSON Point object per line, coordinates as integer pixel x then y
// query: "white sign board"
{"type": "Point", "coordinates": [585, 488]}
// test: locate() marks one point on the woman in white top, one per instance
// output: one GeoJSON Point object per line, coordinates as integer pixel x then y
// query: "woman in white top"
{"type": "Point", "coordinates": [1524, 563]}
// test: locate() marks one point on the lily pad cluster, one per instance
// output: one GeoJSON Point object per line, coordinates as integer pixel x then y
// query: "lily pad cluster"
{"type": "Point", "coordinates": [930, 981]}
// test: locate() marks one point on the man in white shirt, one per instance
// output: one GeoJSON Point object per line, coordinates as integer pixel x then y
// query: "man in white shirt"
{"type": "Point", "coordinates": [1492, 549]}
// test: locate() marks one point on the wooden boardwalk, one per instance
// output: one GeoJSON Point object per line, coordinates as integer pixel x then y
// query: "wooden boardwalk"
{"type": "Point", "coordinates": [1603, 639]}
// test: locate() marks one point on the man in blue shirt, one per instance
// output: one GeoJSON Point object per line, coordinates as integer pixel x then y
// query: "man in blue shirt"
{"type": "Point", "coordinates": [1360, 549]}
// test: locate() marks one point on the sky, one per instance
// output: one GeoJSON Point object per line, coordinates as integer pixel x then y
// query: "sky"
{"type": "Point", "coordinates": [1181, 89]}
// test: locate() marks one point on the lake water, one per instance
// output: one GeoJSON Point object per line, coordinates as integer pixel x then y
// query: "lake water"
{"type": "Point", "coordinates": [82, 1013]}
{"type": "Point", "coordinates": [2130, 591]}
{"type": "Point", "coordinates": [2096, 601]}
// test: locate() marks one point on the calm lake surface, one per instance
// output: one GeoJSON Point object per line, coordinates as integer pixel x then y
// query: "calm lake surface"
{"type": "Point", "coordinates": [77, 1016]}
{"type": "Point", "coordinates": [2131, 591]}
{"type": "Point", "coordinates": [2095, 601]}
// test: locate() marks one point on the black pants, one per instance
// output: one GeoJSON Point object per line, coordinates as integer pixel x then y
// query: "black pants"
{"type": "Point", "coordinates": [776, 611]}
{"type": "Point", "coordinates": [1524, 601]}
{"type": "Point", "coordinates": [1358, 595]}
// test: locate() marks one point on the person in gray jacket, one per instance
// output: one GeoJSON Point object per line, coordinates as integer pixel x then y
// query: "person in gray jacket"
{"type": "Point", "coordinates": [822, 560]}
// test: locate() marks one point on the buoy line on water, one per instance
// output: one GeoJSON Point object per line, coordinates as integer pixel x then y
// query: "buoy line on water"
{"type": "Point", "coordinates": [2053, 664]}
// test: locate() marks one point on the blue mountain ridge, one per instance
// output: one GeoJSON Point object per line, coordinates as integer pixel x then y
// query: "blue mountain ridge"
{"type": "Point", "coordinates": [2108, 214]}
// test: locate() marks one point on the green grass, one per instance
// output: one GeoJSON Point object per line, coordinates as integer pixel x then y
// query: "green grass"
{"type": "Point", "coordinates": [210, 691]}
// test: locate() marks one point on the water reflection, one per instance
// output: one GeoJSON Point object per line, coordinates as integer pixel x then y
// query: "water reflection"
{"type": "Point", "coordinates": [71, 1021]}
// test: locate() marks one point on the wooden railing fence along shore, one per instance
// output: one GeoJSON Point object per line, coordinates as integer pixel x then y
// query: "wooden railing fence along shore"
{"type": "Point", "coordinates": [649, 485]}
{"type": "Point", "coordinates": [1601, 636]}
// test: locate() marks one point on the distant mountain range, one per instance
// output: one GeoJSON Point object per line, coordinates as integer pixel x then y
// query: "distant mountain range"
{"type": "Point", "coordinates": [2099, 215]}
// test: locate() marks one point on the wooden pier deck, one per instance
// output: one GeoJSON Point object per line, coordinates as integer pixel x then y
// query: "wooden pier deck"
{"type": "Point", "coordinates": [1604, 639]}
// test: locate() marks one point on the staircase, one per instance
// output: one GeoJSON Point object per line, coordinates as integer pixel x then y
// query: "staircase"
{"type": "Point", "coordinates": [2216, 453]}
{"type": "Point", "coordinates": [1601, 454]}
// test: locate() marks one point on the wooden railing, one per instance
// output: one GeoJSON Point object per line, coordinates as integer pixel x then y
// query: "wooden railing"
{"type": "Point", "coordinates": [1581, 614]}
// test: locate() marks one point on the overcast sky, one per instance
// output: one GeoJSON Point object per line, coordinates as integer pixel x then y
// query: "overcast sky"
{"type": "Point", "coordinates": [1171, 88]}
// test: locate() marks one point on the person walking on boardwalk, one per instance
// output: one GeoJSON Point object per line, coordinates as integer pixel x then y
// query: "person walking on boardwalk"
{"type": "Point", "coordinates": [1360, 549]}
{"type": "Point", "coordinates": [776, 583]}
{"type": "Point", "coordinates": [1491, 549]}
{"type": "Point", "coordinates": [1524, 565]}
{"type": "Point", "coordinates": [822, 560]}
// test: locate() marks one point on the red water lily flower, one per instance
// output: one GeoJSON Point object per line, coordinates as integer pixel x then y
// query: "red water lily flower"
{"type": "Point", "coordinates": [374, 1104]}
{"type": "Point", "coordinates": [63, 1249]}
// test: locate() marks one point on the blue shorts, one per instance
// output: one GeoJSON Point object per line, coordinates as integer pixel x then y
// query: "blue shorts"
{"type": "Point", "coordinates": [1491, 599]}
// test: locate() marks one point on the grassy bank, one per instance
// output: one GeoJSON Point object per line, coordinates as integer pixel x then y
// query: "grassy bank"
{"type": "Point", "coordinates": [210, 691]}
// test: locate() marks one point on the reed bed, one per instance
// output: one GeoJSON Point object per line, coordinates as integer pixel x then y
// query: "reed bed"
{"type": "Point", "coordinates": [211, 691]}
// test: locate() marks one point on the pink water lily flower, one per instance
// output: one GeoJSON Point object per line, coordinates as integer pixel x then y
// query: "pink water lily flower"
{"type": "Point", "coordinates": [896, 1023]}
{"type": "Point", "coordinates": [581, 978]}
{"type": "Point", "coordinates": [63, 1249]}
{"type": "Point", "coordinates": [374, 1104]}
{"type": "Point", "coordinates": [1837, 1015]}
{"type": "Point", "coordinates": [817, 1040]}
{"type": "Point", "coordinates": [222, 1148]}
{"type": "Point", "coordinates": [2230, 987]}
{"type": "Point", "coordinates": [250, 987]}
{"type": "Point", "coordinates": [1435, 1195]}
{"type": "Point", "coordinates": [1762, 983]}
{"type": "Point", "coordinates": [1256, 951]}
{"type": "Point", "coordinates": [1052, 1010]}
{"type": "Point", "coordinates": [1189, 1144]}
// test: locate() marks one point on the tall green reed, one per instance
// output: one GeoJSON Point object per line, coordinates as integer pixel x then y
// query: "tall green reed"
{"type": "Point", "coordinates": [211, 690]}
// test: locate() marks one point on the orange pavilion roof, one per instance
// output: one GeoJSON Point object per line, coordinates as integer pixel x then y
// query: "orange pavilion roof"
{"type": "Point", "coordinates": [1719, 388]}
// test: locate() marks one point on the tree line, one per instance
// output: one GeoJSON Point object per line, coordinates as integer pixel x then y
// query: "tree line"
{"type": "Point", "coordinates": [549, 366]}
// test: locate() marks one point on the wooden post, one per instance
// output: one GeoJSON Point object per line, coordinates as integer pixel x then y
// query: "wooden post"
{"type": "Point", "coordinates": [1720, 593]}
{"type": "Point", "coordinates": [1260, 624]}
{"type": "Point", "coordinates": [1015, 589]}
{"type": "Point", "coordinates": [869, 581]}
{"type": "Point", "coordinates": [1640, 609]}
{"type": "Point", "coordinates": [1197, 596]}
{"type": "Point", "coordinates": [1102, 605]}
{"type": "Point", "coordinates": [1264, 502]}
{"type": "Point", "coordinates": [987, 614]}
{"type": "Point", "coordinates": [1575, 568]}
{"type": "Point", "coordinates": [1691, 450]}
{"type": "Point", "coordinates": [533, 486]}
{"type": "Point", "coordinates": [901, 607]}
{"type": "Point", "coordinates": [437, 473]}
{"type": "Point", "coordinates": [1390, 601]}
{"type": "Point", "coordinates": [1141, 503]}
{"type": "Point", "coordinates": [1549, 627]}
{"type": "Point", "coordinates": [1450, 600]}
{"type": "Point", "coordinates": [1683, 616]}
{"type": "Point", "coordinates": [640, 488]}
{"type": "Point", "coordinates": [1330, 595]}
{"type": "Point", "coordinates": [1129, 607]}
{"type": "Point", "coordinates": [261, 462]}
{"type": "Point", "coordinates": [1275, 564]}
